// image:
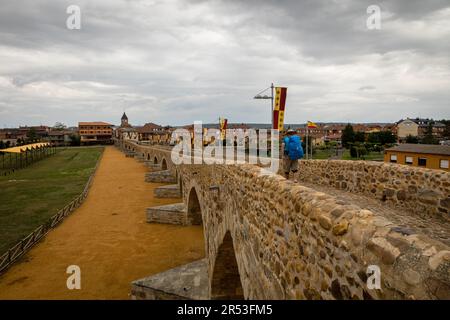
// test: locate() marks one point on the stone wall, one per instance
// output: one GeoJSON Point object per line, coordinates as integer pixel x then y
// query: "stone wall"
{"type": "Point", "coordinates": [292, 242]}
{"type": "Point", "coordinates": [423, 191]}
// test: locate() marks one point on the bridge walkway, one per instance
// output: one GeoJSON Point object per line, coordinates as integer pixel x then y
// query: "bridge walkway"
{"type": "Point", "coordinates": [434, 227]}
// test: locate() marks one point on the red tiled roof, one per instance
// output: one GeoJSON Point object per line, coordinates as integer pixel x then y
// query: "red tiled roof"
{"type": "Point", "coordinates": [95, 123]}
{"type": "Point", "coordinates": [149, 127]}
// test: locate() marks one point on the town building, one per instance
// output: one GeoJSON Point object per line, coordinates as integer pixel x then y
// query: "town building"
{"type": "Point", "coordinates": [95, 132]}
{"type": "Point", "coordinates": [39, 131]}
{"type": "Point", "coordinates": [59, 138]}
{"type": "Point", "coordinates": [419, 127]}
{"type": "Point", "coordinates": [419, 155]}
{"type": "Point", "coordinates": [11, 136]}
{"type": "Point", "coordinates": [151, 132]}
{"type": "Point", "coordinates": [126, 131]}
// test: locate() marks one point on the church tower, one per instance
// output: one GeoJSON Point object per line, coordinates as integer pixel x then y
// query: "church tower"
{"type": "Point", "coordinates": [124, 120]}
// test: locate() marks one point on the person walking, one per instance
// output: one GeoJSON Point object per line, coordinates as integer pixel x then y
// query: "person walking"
{"type": "Point", "coordinates": [292, 152]}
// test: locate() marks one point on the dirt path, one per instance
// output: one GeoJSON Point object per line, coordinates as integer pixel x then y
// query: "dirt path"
{"type": "Point", "coordinates": [108, 238]}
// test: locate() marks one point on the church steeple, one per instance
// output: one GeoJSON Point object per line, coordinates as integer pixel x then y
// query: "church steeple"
{"type": "Point", "coordinates": [124, 120]}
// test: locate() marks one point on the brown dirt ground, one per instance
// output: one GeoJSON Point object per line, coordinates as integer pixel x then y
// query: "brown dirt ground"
{"type": "Point", "coordinates": [108, 238]}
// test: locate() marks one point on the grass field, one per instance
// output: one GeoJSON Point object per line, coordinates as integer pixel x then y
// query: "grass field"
{"type": "Point", "coordinates": [323, 153]}
{"type": "Point", "coordinates": [375, 156]}
{"type": "Point", "coordinates": [29, 197]}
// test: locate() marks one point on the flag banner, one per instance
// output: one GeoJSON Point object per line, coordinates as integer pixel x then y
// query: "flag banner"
{"type": "Point", "coordinates": [311, 125]}
{"type": "Point", "coordinates": [278, 110]}
{"type": "Point", "coordinates": [276, 114]}
{"type": "Point", "coordinates": [223, 127]}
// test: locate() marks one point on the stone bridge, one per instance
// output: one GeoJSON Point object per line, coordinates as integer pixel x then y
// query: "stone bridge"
{"type": "Point", "coordinates": [270, 238]}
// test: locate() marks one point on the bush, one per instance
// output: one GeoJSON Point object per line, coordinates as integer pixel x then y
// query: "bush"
{"type": "Point", "coordinates": [358, 151]}
{"type": "Point", "coordinates": [75, 140]}
{"type": "Point", "coordinates": [353, 152]}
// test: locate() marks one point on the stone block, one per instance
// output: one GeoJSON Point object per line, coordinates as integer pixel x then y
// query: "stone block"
{"type": "Point", "coordinates": [160, 176]}
{"type": "Point", "coordinates": [170, 214]}
{"type": "Point", "coordinates": [169, 191]}
{"type": "Point", "coordinates": [186, 282]}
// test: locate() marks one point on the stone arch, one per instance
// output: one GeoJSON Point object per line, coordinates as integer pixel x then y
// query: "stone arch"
{"type": "Point", "coordinates": [194, 211]}
{"type": "Point", "coordinates": [226, 281]}
{"type": "Point", "coordinates": [155, 160]}
{"type": "Point", "coordinates": [148, 156]}
{"type": "Point", "coordinates": [163, 164]}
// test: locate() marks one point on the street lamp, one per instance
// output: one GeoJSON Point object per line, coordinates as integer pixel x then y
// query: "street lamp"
{"type": "Point", "coordinates": [266, 97]}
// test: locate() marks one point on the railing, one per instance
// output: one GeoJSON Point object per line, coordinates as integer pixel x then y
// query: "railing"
{"type": "Point", "coordinates": [24, 245]}
{"type": "Point", "coordinates": [10, 164]}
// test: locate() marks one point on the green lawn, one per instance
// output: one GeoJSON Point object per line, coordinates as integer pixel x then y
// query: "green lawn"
{"type": "Point", "coordinates": [376, 156]}
{"type": "Point", "coordinates": [323, 153]}
{"type": "Point", "coordinates": [29, 197]}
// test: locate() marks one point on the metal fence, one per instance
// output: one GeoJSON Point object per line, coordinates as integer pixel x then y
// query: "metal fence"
{"type": "Point", "coordinates": [10, 162]}
{"type": "Point", "coordinates": [24, 245]}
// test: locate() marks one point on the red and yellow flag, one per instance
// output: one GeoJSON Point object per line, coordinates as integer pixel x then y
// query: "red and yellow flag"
{"type": "Point", "coordinates": [223, 127]}
{"type": "Point", "coordinates": [278, 110]}
{"type": "Point", "coordinates": [311, 125]}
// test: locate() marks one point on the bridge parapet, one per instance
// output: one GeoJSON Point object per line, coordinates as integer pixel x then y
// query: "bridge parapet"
{"type": "Point", "coordinates": [293, 242]}
{"type": "Point", "coordinates": [269, 238]}
{"type": "Point", "coordinates": [422, 191]}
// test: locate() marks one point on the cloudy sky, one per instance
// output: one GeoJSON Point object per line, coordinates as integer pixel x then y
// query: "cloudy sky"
{"type": "Point", "coordinates": [176, 61]}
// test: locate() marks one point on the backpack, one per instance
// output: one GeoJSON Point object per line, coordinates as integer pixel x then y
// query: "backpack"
{"type": "Point", "coordinates": [293, 146]}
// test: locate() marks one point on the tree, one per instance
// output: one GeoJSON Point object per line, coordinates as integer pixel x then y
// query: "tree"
{"type": "Point", "coordinates": [31, 135]}
{"type": "Point", "coordinates": [75, 140]}
{"type": "Point", "coordinates": [382, 137]}
{"type": "Point", "coordinates": [358, 150]}
{"type": "Point", "coordinates": [429, 138]}
{"type": "Point", "coordinates": [2, 144]}
{"type": "Point", "coordinates": [348, 136]}
{"type": "Point", "coordinates": [412, 139]}
{"type": "Point", "coordinates": [374, 137]}
{"type": "Point", "coordinates": [360, 136]}
{"type": "Point", "coordinates": [387, 137]}
{"type": "Point", "coordinates": [446, 133]}
{"type": "Point", "coordinates": [353, 151]}
{"type": "Point", "coordinates": [59, 126]}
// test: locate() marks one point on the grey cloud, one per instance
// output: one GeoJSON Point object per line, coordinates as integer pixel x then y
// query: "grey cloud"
{"type": "Point", "coordinates": [178, 61]}
{"type": "Point", "coordinates": [366, 88]}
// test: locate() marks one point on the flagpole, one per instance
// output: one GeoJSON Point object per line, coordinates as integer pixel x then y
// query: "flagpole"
{"type": "Point", "coordinates": [271, 107]}
{"type": "Point", "coordinates": [306, 145]}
